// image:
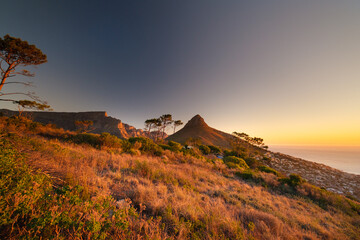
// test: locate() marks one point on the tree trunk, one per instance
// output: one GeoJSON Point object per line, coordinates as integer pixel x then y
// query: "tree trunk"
{"type": "Point", "coordinates": [6, 74]}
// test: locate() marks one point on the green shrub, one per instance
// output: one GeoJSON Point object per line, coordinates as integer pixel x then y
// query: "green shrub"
{"type": "Point", "coordinates": [251, 162]}
{"type": "Point", "coordinates": [247, 174]}
{"type": "Point", "coordinates": [232, 165]}
{"type": "Point", "coordinates": [214, 149]}
{"type": "Point", "coordinates": [191, 152]}
{"type": "Point", "coordinates": [238, 161]}
{"type": "Point", "coordinates": [111, 141]}
{"type": "Point", "coordinates": [87, 138]}
{"type": "Point", "coordinates": [125, 145]}
{"type": "Point", "coordinates": [147, 145]}
{"type": "Point", "coordinates": [175, 146]}
{"type": "Point", "coordinates": [230, 153]}
{"type": "Point", "coordinates": [293, 180]}
{"type": "Point", "coordinates": [165, 146]}
{"type": "Point", "coordinates": [204, 149]}
{"type": "Point", "coordinates": [267, 169]}
{"type": "Point", "coordinates": [240, 154]}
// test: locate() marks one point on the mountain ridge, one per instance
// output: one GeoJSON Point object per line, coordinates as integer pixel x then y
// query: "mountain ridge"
{"type": "Point", "coordinates": [66, 120]}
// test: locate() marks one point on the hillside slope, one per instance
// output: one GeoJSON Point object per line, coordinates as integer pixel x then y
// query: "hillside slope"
{"type": "Point", "coordinates": [197, 128]}
{"type": "Point", "coordinates": [171, 196]}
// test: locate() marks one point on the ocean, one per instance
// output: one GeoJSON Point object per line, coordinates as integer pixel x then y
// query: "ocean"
{"type": "Point", "coordinates": [346, 158]}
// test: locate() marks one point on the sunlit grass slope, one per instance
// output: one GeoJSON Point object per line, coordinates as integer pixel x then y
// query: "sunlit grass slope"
{"type": "Point", "coordinates": [67, 185]}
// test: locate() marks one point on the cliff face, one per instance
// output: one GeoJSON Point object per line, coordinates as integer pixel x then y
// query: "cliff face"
{"type": "Point", "coordinates": [66, 120]}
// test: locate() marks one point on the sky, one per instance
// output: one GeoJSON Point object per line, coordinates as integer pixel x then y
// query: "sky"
{"type": "Point", "coordinates": [286, 71]}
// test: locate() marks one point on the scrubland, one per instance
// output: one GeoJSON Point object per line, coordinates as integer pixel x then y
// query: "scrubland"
{"type": "Point", "coordinates": [66, 185]}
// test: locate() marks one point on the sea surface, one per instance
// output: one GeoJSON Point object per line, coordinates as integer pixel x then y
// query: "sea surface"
{"type": "Point", "coordinates": [343, 158]}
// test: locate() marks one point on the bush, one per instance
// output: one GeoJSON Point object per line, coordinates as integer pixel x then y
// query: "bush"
{"type": "Point", "coordinates": [293, 180]}
{"type": "Point", "coordinates": [204, 149]}
{"type": "Point", "coordinates": [191, 152]}
{"type": "Point", "coordinates": [235, 154]}
{"type": "Point", "coordinates": [247, 174]}
{"type": "Point", "coordinates": [267, 169]}
{"type": "Point", "coordinates": [111, 141]}
{"type": "Point", "coordinates": [175, 146]}
{"type": "Point", "coordinates": [87, 138]}
{"type": "Point", "coordinates": [232, 165]}
{"type": "Point", "coordinates": [164, 146]}
{"type": "Point", "coordinates": [230, 153]}
{"type": "Point", "coordinates": [251, 162]}
{"type": "Point", "coordinates": [235, 160]}
{"type": "Point", "coordinates": [147, 145]}
{"type": "Point", "coordinates": [214, 149]}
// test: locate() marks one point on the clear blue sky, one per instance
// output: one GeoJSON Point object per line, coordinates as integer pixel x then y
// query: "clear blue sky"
{"type": "Point", "coordinates": [287, 71]}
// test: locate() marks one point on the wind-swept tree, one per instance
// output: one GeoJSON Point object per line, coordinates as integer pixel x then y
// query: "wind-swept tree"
{"type": "Point", "coordinates": [166, 120]}
{"type": "Point", "coordinates": [27, 104]}
{"type": "Point", "coordinates": [160, 124]}
{"type": "Point", "coordinates": [14, 55]}
{"type": "Point", "coordinates": [259, 142]}
{"type": "Point", "coordinates": [177, 123]}
{"type": "Point", "coordinates": [149, 124]}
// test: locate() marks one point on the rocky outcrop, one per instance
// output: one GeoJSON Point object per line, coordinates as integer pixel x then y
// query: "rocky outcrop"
{"type": "Point", "coordinates": [66, 120]}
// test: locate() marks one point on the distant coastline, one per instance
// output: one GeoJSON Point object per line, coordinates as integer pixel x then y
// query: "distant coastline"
{"type": "Point", "coordinates": [344, 158]}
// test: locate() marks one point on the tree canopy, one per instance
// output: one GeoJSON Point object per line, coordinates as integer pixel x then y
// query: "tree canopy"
{"type": "Point", "coordinates": [16, 53]}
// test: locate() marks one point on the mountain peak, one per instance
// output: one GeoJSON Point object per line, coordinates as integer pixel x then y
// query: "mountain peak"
{"type": "Point", "coordinates": [196, 121]}
{"type": "Point", "coordinates": [197, 128]}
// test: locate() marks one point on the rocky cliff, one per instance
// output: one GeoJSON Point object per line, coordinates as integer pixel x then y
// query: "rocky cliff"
{"type": "Point", "coordinates": [66, 120]}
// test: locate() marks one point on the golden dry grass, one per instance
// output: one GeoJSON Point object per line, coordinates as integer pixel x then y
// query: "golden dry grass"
{"type": "Point", "coordinates": [195, 199]}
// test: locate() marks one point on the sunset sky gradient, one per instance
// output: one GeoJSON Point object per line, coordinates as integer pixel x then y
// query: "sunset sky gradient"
{"type": "Point", "coordinates": [286, 71]}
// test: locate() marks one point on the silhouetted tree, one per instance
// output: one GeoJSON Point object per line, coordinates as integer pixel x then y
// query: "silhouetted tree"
{"type": "Point", "coordinates": [158, 125]}
{"type": "Point", "coordinates": [177, 123]}
{"type": "Point", "coordinates": [165, 120]}
{"type": "Point", "coordinates": [259, 142]}
{"type": "Point", "coordinates": [149, 124]}
{"type": "Point", "coordinates": [14, 54]}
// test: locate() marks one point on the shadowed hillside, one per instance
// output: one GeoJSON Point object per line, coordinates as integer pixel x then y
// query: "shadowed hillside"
{"type": "Point", "coordinates": [197, 128]}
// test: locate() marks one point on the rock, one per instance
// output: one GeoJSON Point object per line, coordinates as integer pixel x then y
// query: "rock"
{"type": "Point", "coordinates": [66, 120]}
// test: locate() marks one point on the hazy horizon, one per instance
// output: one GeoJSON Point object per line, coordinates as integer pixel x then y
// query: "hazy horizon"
{"type": "Point", "coordinates": [345, 158]}
{"type": "Point", "coordinates": [283, 71]}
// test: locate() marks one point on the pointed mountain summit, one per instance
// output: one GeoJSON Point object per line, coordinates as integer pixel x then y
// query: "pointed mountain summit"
{"type": "Point", "coordinates": [197, 128]}
{"type": "Point", "coordinates": [196, 121]}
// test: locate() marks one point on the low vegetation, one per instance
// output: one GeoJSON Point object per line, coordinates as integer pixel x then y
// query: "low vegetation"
{"type": "Point", "coordinates": [73, 185]}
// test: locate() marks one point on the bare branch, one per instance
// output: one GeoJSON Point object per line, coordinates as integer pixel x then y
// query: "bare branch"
{"type": "Point", "coordinates": [15, 93]}
{"type": "Point", "coordinates": [27, 84]}
{"type": "Point", "coordinates": [30, 95]}
{"type": "Point", "coordinates": [8, 100]}
{"type": "Point", "coordinates": [24, 73]}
